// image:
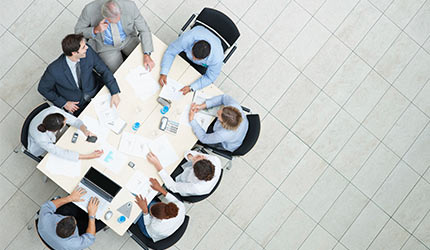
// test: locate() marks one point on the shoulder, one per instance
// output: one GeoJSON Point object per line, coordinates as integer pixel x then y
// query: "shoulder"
{"type": "Point", "coordinates": [57, 63]}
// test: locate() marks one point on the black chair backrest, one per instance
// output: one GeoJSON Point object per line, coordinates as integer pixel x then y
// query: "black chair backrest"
{"type": "Point", "coordinates": [251, 135]}
{"type": "Point", "coordinates": [220, 24]}
{"type": "Point", "coordinates": [24, 130]}
{"type": "Point", "coordinates": [37, 231]}
{"type": "Point", "coordinates": [140, 238]}
{"type": "Point", "coordinates": [197, 198]}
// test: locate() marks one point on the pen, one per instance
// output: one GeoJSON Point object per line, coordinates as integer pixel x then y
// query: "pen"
{"type": "Point", "coordinates": [133, 194]}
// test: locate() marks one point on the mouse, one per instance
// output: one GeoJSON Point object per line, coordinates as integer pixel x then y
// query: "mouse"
{"type": "Point", "coordinates": [108, 215]}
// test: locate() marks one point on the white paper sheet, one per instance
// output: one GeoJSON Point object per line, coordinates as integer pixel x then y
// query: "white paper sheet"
{"type": "Point", "coordinates": [170, 91]}
{"type": "Point", "coordinates": [185, 116]}
{"type": "Point", "coordinates": [95, 127]}
{"type": "Point", "coordinates": [142, 82]}
{"type": "Point", "coordinates": [60, 166]}
{"type": "Point", "coordinates": [133, 144]}
{"type": "Point", "coordinates": [200, 98]}
{"type": "Point", "coordinates": [104, 111]}
{"type": "Point", "coordinates": [163, 149]}
{"type": "Point", "coordinates": [139, 184]}
{"type": "Point", "coordinates": [112, 158]}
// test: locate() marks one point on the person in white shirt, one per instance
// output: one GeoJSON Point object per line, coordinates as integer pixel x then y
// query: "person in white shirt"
{"type": "Point", "coordinates": [42, 138]}
{"type": "Point", "coordinates": [200, 174]}
{"type": "Point", "coordinates": [160, 220]}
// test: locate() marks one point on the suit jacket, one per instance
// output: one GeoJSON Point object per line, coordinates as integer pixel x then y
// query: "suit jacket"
{"type": "Point", "coordinates": [131, 20]}
{"type": "Point", "coordinates": [58, 85]}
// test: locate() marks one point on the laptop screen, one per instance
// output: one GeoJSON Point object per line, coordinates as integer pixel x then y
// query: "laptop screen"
{"type": "Point", "coordinates": [102, 182]}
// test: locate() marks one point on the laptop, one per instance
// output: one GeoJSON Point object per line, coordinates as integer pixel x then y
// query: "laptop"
{"type": "Point", "coordinates": [97, 185]}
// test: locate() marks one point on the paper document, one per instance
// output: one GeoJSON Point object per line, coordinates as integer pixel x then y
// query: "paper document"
{"type": "Point", "coordinates": [170, 91]}
{"type": "Point", "coordinates": [108, 115]}
{"type": "Point", "coordinates": [60, 166]}
{"type": "Point", "coordinates": [139, 184]}
{"type": "Point", "coordinates": [142, 82]}
{"type": "Point", "coordinates": [201, 98]}
{"type": "Point", "coordinates": [163, 149]}
{"type": "Point", "coordinates": [94, 127]}
{"type": "Point", "coordinates": [133, 144]}
{"type": "Point", "coordinates": [203, 120]}
{"type": "Point", "coordinates": [112, 158]}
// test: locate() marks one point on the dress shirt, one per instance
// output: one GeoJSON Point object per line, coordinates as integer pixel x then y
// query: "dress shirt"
{"type": "Point", "coordinates": [47, 229]}
{"type": "Point", "coordinates": [108, 33]}
{"type": "Point", "coordinates": [230, 139]}
{"type": "Point", "coordinates": [40, 142]}
{"type": "Point", "coordinates": [185, 43]}
{"type": "Point", "coordinates": [187, 183]}
{"type": "Point", "coordinates": [161, 229]}
{"type": "Point", "coordinates": [72, 67]}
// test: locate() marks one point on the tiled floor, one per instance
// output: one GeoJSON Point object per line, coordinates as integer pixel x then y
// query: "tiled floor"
{"type": "Point", "coordinates": [343, 90]}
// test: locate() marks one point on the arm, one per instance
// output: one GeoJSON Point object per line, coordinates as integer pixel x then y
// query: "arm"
{"type": "Point", "coordinates": [212, 138]}
{"type": "Point", "coordinates": [76, 195]}
{"type": "Point", "coordinates": [205, 80]}
{"type": "Point", "coordinates": [143, 30]}
{"type": "Point", "coordinates": [108, 78]}
{"type": "Point", "coordinates": [92, 210]}
{"type": "Point", "coordinates": [177, 46]}
{"type": "Point", "coordinates": [47, 89]}
{"type": "Point", "coordinates": [84, 24]}
{"type": "Point", "coordinates": [183, 188]}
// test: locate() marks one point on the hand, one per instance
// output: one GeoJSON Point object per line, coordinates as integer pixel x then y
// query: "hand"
{"type": "Point", "coordinates": [93, 204]}
{"type": "Point", "coordinates": [156, 185]}
{"type": "Point", "coordinates": [148, 63]}
{"type": "Point", "coordinates": [163, 80]}
{"type": "Point", "coordinates": [114, 100]}
{"type": "Point", "coordinates": [142, 203]}
{"type": "Point", "coordinates": [153, 159]}
{"type": "Point", "coordinates": [71, 106]}
{"type": "Point", "coordinates": [95, 154]}
{"type": "Point", "coordinates": [197, 107]}
{"type": "Point", "coordinates": [76, 195]}
{"type": "Point", "coordinates": [101, 27]}
{"type": "Point", "coordinates": [185, 90]}
{"type": "Point", "coordinates": [191, 115]}
{"type": "Point", "coordinates": [88, 133]}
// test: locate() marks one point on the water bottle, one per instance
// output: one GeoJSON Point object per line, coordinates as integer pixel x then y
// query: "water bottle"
{"type": "Point", "coordinates": [135, 126]}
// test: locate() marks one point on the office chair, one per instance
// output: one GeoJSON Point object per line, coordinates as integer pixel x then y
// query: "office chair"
{"type": "Point", "coordinates": [219, 24]}
{"type": "Point", "coordinates": [147, 243]}
{"type": "Point", "coordinates": [248, 143]}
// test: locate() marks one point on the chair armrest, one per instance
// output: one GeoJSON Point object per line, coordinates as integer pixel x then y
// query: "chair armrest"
{"type": "Point", "coordinates": [187, 24]}
{"type": "Point", "coordinates": [223, 153]}
{"type": "Point", "coordinates": [33, 156]}
{"type": "Point", "coordinates": [230, 53]}
{"type": "Point", "coordinates": [247, 110]}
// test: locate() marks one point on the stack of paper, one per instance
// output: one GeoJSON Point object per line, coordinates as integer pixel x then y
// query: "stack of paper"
{"type": "Point", "coordinates": [170, 91]}
{"type": "Point", "coordinates": [60, 166]}
{"type": "Point", "coordinates": [142, 82]}
{"type": "Point", "coordinates": [163, 149]}
{"type": "Point", "coordinates": [133, 144]}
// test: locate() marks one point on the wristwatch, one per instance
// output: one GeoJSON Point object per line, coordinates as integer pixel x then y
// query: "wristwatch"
{"type": "Point", "coordinates": [92, 217]}
{"type": "Point", "coordinates": [147, 53]}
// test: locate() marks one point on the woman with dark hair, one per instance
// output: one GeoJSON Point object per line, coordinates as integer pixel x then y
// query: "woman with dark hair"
{"type": "Point", "coordinates": [160, 220]}
{"type": "Point", "coordinates": [199, 174]}
{"type": "Point", "coordinates": [42, 134]}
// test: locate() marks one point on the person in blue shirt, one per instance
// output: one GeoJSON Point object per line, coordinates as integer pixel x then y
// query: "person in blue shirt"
{"type": "Point", "coordinates": [201, 47]}
{"type": "Point", "coordinates": [230, 128]}
{"type": "Point", "coordinates": [61, 230]}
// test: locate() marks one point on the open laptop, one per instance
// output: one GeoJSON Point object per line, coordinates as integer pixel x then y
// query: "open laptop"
{"type": "Point", "coordinates": [97, 185]}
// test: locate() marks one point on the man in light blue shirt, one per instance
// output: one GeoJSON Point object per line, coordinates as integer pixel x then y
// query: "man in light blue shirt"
{"type": "Point", "coordinates": [61, 232]}
{"type": "Point", "coordinates": [203, 48]}
{"type": "Point", "coordinates": [230, 128]}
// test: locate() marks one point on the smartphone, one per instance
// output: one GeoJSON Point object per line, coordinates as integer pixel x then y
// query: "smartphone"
{"type": "Point", "coordinates": [75, 137]}
{"type": "Point", "coordinates": [92, 139]}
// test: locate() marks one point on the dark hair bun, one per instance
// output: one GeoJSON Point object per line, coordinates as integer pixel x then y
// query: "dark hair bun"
{"type": "Point", "coordinates": [41, 128]}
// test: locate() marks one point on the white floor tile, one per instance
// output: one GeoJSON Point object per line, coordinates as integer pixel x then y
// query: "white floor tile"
{"type": "Point", "coordinates": [11, 10]}
{"type": "Point", "coordinates": [109, 240]}
{"type": "Point", "coordinates": [7, 190]}
{"type": "Point", "coordinates": [13, 49]}
{"type": "Point", "coordinates": [393, 236]}
{"type": "Point", "coordinates": [10, 134]}
{"type": "Point", "coordinates": [419, 27]}
{"type": "Point", "coordinates": [293, 232]}
{"type": "Point", "coordinates": [344, 211]}
{"type": "Point", "coordinates": [223, 229]}
{"type": "Point", "coordinates": [151, 18]}
{"type": "Point", "coordinates": [414, 244]}
{"type": "Point", "coordinates": [382, 5]}
{"type": "Point", "coordinates": [357, 23]}
{"type": "Point", "coordinates": [311, 5]}
{"type": "Point", "coordinates": [402, 11]}
{"type": "Point", "coordinates": [270, 218]}
{"type": "Point", "coordinates": [231, 88]}
{"type": "Point", "coordinates": [163, 9]}
{"type": "Point", "coordinates": [27, 239]}
{"type": "Point", "coordinates": [245, 242]}
{"type": "Point", "coordinates": [391, 194]}
{"type": "Point", "coordinates": [414, 207]}
{"type": "Point", "coordinates": [4, 109]}
{"type": "Point", "coordinates": [30, 101]}
{"type": "Point", "coordinates": [37, 190]}
{"type": "Point", "coordinates": [333, 12]}
{"type": "Point", "coordinates": [422, 232]}
{"type": "Point", "coordinates": [239, 7]}
{"type": "Point", "coordinates": [373, 219]}
{"type": "Point", "coordinates": [422, 101]}
{"type": "Point", "coordinates": [17, 168]}
{"type": "Point", "coordinates": [377, 41]}
{"type": "Point", "coordinates": [375, 170]}
{"type": "Point", "coordinates": [220, 6]}
{"type": "Point", "coordinates": [307, 43]}
{"type": "Point", "coordinates": [255, 107]}
{"type": "Point", "coordinates": [166, 34]}
{"type": "Point", "coordinates": [319, 239]}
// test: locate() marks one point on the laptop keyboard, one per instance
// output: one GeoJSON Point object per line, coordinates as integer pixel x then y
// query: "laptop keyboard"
{"type": "Point", "coordinates": [84, 204]}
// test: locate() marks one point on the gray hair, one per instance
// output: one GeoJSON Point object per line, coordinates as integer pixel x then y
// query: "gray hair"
{"type": "Point", "coordinates": [111, 9]}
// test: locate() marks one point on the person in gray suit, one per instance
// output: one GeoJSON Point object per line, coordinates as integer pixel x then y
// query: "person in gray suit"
{"type": "Point", "coordinates": [115, 27]}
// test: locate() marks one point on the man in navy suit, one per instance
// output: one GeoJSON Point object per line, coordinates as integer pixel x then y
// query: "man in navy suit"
{"type": "Point", "coordinates": [69, 81]}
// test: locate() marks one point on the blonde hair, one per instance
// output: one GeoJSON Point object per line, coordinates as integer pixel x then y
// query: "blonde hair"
{"type": "Point", "coordinates": [231, 118]}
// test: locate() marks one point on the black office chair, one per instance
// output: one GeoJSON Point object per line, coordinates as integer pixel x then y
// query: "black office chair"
{"type": "Point", "coordinates": [219, 24]}
{"type": "Point", "coordinates": [147, 243]}
{"type": "Point", "coordinates": [248, 143]}
{"type": "Point", "coordinates": [37, 231]}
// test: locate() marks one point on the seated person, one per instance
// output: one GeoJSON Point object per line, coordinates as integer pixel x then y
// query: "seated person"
{"type": "Point", "coordinates": [201, 47]}
{"type": "Point", "coordinates": [199, 175]}
{"type": "Point", "coordinates": [42, 138]}
{"type": "Point", "coordinates": [160, 220]}
{"type": "Point", "coordinates": [69, 82]}
{"type": "Point", "coordinates": [230, 128]}
{"type": "Point", "coordinates": [113, 28]}
{"type": "Point", "coordinates": [70, 228]}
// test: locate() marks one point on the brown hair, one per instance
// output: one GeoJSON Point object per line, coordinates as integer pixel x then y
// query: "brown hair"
{"type": "Point", "coordinates": [231, 118]}
{"type": "Point", "coordinates": [52, 122]}
{"type": "Point", "coordinates": [71, 43]}
{"type": "Point", "coordinates": [164, 210]}
{"type": "Point", "coordinates": [66, 227]}
{"type": "Point", "coordinates": [204, 170]}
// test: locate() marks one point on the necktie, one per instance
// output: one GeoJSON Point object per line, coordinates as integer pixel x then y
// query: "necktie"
{"type": "Point", "coordinates": [78, 74]}
{"type": "Point", "coordinates": [116, 37]}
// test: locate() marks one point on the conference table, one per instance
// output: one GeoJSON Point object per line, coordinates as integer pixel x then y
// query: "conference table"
{"type": "Point", "coordinates": [133, 109]}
